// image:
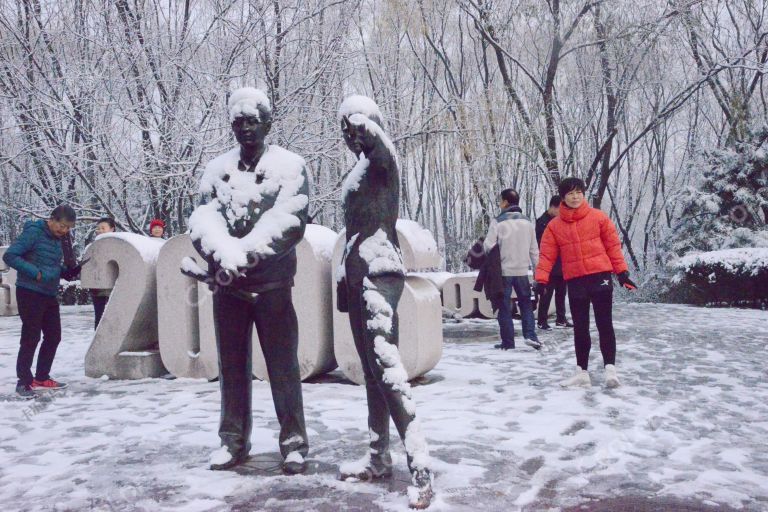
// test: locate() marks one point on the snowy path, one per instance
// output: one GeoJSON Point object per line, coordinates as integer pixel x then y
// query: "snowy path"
{"type": "Point", "coordinates": [689, 424]}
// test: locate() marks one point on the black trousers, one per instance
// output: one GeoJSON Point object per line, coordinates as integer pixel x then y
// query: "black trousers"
{"type": "Point", "coordinates": [276, 325]}
{"type": "Point", "coordinates": [385, 399]}
{"type": "Point", "coordinates": [39, 314]}
{"type": "Point", "coordinates": [557, 288]}
{"type": "Point", "coordinates": [596, 290]}
{"type": "Point", "coordinates": [99, 303]}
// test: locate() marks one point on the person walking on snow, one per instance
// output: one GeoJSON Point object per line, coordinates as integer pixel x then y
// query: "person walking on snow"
{"type": "Point", "coordinates": [37, 256]}
{"type": "Point", "coordinates": [586, 241]}
{"type": "Point", "coordinates": [516, 238]}
{"type": "Point", "coordinates": [371, 281]}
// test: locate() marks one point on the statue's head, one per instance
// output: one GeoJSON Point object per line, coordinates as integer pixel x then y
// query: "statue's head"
{"type": "Point", "coordinates": [251, 116]}
{"type": "Point", "coordinates": [359, 135]}
{"type": "Point", "coordinates": [355, 134]}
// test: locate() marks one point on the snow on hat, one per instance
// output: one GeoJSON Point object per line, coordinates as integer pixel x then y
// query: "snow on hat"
{"type": "Point", "coordinates": [359, 104]}
{"type": "Point", "coordinates": [156, 222]}
{"type": "Point", "coordinates": [246, 102]}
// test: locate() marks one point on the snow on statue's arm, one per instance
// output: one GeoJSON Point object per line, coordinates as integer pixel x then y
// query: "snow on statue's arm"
{"type": "Point", "coordinates": [379, 149]}
{"type": "Point", "coordinates": [283, 224]}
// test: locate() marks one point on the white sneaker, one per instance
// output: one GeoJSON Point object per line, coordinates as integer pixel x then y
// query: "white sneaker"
{"type": "Point", "coordinates": [611, 380]}
{"type": "Point", "coordinates": [580, 380]}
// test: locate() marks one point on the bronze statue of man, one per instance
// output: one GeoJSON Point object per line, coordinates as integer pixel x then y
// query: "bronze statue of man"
{"type": "Point", "coordinates": [247, 232]}
{"type": "Point", "coordinates": [372, 278]}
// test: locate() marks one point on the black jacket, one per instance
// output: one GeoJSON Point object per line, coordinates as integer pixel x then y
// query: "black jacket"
{"type": "Point", "coordinates": [541, 225]}
{"type": "Point", "coordinates": [490, 279]}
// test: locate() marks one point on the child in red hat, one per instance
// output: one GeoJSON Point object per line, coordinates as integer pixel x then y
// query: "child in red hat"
{"type": "Point", "coordinates": [156, 228]}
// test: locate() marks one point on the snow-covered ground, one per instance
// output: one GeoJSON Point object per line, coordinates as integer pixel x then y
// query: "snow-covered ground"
{"type": "Point", "coordinates": [689, 427]}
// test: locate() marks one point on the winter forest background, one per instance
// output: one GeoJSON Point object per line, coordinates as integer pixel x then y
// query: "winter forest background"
{"type": "Point", "coordinates": [660, 106]}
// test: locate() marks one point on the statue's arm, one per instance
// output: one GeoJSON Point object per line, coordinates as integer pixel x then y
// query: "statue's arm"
{"type": "Point", "coordinates": [291, 236]}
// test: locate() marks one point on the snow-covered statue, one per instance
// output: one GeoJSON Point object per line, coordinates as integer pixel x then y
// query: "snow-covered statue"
{"type": "Point", "coordinates": [247, 232]}
{"type": "Point", "coordinates": [370, 285]}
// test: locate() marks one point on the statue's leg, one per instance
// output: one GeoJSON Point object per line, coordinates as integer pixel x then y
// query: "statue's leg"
{"type": "Point", "coordinates": [233, 321]}
{"type": "Point", "coordinates": [279, 338]}
{"type": "Point", "coordinates": [378, 410]}
{"type": "Point", "coordinates": [381, 296]}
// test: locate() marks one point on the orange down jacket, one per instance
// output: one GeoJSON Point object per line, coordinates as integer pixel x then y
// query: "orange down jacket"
{"type": "Point", "coordinates": [586, 241]}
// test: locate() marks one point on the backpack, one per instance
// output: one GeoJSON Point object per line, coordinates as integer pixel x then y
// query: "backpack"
{"type": "Point", "coordinates": [476, 255]}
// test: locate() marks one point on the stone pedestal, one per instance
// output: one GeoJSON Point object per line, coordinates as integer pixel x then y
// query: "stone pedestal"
{"type": "Point", "coordinates": [419, 311]}
{"type": "Point", "coordinates": [125, 345]}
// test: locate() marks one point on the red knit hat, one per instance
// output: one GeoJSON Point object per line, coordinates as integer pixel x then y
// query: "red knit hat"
{"type": "Point", "coordinates": [156, 222]}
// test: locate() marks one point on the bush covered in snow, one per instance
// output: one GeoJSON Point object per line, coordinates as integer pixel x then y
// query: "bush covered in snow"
{"type": "Point", "coordinates": [729, 276]}
{"type": "Point", "coordinates": [728, 205]}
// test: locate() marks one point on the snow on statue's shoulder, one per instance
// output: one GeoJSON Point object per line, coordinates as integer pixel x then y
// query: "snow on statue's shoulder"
{"type": "Point", "coordinates": [148, 247]}
{"type": "Point", "coordinates": [352, 181]}
{"type": "Point", "coordinates": [217, 168]}
{"type": "Point", "coordinates": [280, 164]}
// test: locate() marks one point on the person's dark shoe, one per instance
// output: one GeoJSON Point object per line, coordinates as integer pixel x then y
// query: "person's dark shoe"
{"type": "Point", "coordinates": [294, 464]}
{"type": "Point", "coordinates": [25, 391]}
{"type": "Point", "coordinates": [535, 344]}
{"type": "Point", "coordinates": [368, 468]}
{"type": "Point", "coordinates": [564, 324]}
{"type": "Point", "coordinates": [503, 346]}
{"type": "Point", "coordinates": [46, 385]}
{"type": "Point", "coordinates": [222, 459]}
{"type": "Point", "coordinates": [420, 494]}
{"type": "Point", "coordinates": [545, 327]}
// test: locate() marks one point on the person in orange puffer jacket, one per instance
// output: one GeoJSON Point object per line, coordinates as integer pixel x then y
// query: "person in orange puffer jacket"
{"type": "Point", "coordinates": [588, 245]}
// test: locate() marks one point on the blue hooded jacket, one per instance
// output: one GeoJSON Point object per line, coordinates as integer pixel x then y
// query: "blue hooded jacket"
{"type": "Point", "coordinates": [36, 250]}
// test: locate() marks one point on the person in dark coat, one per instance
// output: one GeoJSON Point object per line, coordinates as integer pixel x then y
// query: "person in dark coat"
{"type": "Point", "coordinates": [37, 257]}
{"type": "Point", "coordinates": [101, 297]}
{"type": "Point", "coordinates": [556, 284]}
{"type": "Point", "coordinates": [248, 232]}
{"type": "Point", "coordinates": [372, 279]}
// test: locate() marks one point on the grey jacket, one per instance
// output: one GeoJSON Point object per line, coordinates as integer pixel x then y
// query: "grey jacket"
{"type": "Point", "coordinates": [516, 237]}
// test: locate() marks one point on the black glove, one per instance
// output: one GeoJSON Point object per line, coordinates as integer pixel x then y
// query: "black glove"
{"type": "Point", "coordinates": [625, 281]}
{"type": "Point", "coordinates": [540, 288]}
{"type": "Point", "coordinates": [71, 274]}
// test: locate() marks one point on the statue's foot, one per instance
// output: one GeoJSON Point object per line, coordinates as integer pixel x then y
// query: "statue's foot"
{"type": "Point", "coordinates": [223, 459]}
{"type": "Point", "coordinates": [294, 464]}
{"type": "Point", "coordinates": [368, 468]}
{"type": "Point", "coordinates": [420, 494]}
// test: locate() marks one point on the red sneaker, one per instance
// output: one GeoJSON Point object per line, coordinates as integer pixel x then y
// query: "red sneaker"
{"type": "Point", "coordinates": [46, 385]}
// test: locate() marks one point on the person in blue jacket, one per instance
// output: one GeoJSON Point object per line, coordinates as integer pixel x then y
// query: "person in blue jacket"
{"type": "Point", "coordinates": [37, 257]}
